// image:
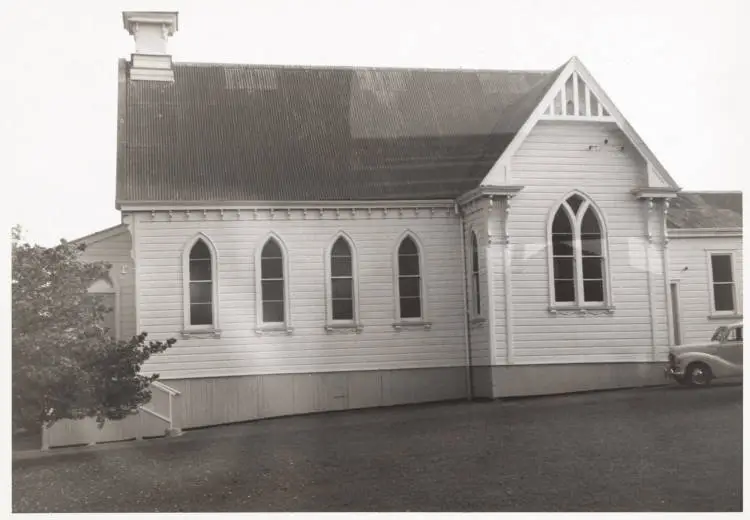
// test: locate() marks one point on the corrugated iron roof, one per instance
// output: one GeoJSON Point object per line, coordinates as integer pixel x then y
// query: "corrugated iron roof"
{"type": "Point", "coordinates": [253, 132]}
{"type": "Point", "coordinates": [706, 210]}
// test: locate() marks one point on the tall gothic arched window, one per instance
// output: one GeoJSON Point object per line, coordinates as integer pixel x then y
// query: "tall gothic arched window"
{"type": "Point", "coordinates": [342, 281]}
{"type": "Point", "coordinates": [477, 293]}
{"type": "Point", "coordinates": [200, 284]}
{"type": "Point", "coordinates": [272, 286]}
{"type": "Point", "coordinates": [409, 279]}
{"type": "Point", "coordinates": [578, 253]}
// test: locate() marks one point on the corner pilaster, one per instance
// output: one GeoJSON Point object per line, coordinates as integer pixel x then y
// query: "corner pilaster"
{"type": "Point", "coordinates": [656, 223]}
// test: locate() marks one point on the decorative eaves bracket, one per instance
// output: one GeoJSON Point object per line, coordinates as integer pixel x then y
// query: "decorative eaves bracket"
{"type": "Point", "coordinates": [505, 193]}
{"type": "Point", "coordinates": [648, 195]}
{"type": "Point", "coordinates": [488, 191]}
{"type": "Point", "coordinates": [655, 193]}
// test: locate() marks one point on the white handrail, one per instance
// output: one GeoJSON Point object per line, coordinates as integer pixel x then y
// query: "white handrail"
{"type": "Point", "coordinates": [168, 389]}
{"type": "Point", "coordinates": [171, 392]}
{"type": "Point", "coordinates": [157, 414]}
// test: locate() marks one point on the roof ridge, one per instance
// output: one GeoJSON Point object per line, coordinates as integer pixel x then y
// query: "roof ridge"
{"type": "Point", "coordinates": [354, 67]}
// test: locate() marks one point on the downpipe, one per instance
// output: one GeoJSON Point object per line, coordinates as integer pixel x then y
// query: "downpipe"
{"type": "Point", "coordinates": [467, 322]}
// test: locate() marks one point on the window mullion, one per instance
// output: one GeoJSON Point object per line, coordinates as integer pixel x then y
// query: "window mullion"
{"type": "Point", "coordinates": [578, 262]}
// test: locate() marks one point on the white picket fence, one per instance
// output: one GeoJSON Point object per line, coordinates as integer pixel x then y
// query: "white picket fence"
{"type": "Point", "coordinates": [156, 419]}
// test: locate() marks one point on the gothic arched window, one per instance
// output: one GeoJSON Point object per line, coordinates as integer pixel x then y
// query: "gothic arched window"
{"type": "Point", "coordinates": [409, 279]}
{"type": "Point", "coordinates": [578, 253]}
{"type": "Point", "coordinates": [200, 284]}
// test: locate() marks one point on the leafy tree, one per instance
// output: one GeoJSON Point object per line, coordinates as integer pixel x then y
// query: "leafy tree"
{"type": "Point", "coordinates": [65, 364]}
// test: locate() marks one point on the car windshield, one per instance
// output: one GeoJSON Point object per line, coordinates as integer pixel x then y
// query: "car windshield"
{"type": "Point", "coordinates": [719, 334]}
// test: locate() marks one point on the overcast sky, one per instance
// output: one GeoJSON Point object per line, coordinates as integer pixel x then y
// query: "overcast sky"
{"type": "Point", "coordinates": [674, 69]}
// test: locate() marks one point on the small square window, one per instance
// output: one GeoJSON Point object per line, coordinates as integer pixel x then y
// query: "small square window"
{"type": "Point", "coordinates": [722, 283]}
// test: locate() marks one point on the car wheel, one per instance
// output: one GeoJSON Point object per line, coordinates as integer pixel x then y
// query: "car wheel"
{"type": "Point", "coordinates": [698, 375]}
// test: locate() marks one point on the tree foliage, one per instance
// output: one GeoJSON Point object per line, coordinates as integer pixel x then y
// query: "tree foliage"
{"type": "Point", "coordinates": [65, 364]}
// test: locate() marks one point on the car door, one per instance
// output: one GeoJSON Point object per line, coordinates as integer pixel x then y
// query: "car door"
{"type": "Point", "coordinates": [730, 351]}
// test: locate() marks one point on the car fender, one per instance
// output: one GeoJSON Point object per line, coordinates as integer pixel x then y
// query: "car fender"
{"type": "Point", "coordinates": [719, 366]}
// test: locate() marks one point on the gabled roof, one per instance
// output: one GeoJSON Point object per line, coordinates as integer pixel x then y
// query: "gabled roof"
{"type": "Point", "coordinates": [534, 107]}
{"type": "Point", "coordinates": [705, 210]}
{"type": "Point", "coordinates": [100, 235]}
{"type": "Point", "coordinates": [279, 133]}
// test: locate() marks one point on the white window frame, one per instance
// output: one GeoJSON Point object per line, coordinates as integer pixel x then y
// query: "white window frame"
{"type": "Point", "coordinates": [476, 288]}
{"type": "Point", "coordinates": [400, 322]}
{"type": "Point", "coordinates": [261, 326]}
{"type": "Point", "coordinates": [710, 273]}
{"type": "Point", "coordinates": [576, 220]}
{"type": "Point", "coordinates": [212, 328]}
{"type": "Point", "coordinates": [355, 322]}
{"type": "Point", "coordinates": [109, 285]}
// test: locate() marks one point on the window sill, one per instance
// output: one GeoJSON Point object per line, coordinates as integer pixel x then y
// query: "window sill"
{"type": "Point", "coordinates": [200, 333]}
{"type": "Point", "coordinates": [276, 329]}
{"type": "Point", "coordinates": [575, 310]}
{"type": "Point", "coordinates": [412, 325]}
{"type": "Point", "coordinates": [725, 316]}
{"type": "Point", "coordinates": [343, 328]}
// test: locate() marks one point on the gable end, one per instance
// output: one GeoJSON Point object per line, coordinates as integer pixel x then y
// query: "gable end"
{"type": "Point", "coordinates": [576, 91]}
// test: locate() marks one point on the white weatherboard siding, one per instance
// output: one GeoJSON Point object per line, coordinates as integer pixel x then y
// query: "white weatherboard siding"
{"type": "Point", "coordinates": [554, 160]}
{"type": "Point", "coordinates": [502, 290]}
{"type": "Point", "coordinates": [309, 348]}
{"type": "Point", "coordinates": [116, 250]}
{"type": "Point", "coordinates": [690, 268]}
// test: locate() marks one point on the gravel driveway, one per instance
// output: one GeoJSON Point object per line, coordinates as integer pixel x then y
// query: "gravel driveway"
{"type": "Point", "coordinates": [658, 449]}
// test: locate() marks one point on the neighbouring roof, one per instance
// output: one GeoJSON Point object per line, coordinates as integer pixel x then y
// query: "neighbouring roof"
{"type": "Point", "coordinates": [97, 236]}
{"type": "Point", "coordinates": [706, 210]}
{"type": "Point", "coordinates": [251, 132]}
